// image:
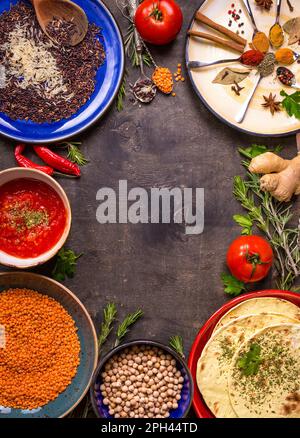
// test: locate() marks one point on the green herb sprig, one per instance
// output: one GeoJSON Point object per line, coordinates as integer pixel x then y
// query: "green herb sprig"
{"type": "Point", "coordinates": [250, 362]}
{"type": "Point", "coordinates": [123, 328]}
{"type": "Point", "coordinates": [176, 342]}
{"type": "Point", "coordinates": [109, 316]}
{"type": "Point", "coordinates": [232, 286]}
{"type": "Point", "coordinates": [291, 103]}
{"type": "Point", "coordinates": [271, 217]}
{"type": "Point", "coordinates": [121, 95]}
{"type": "Point", "coordinates": [65, 265]}
{"type": "Point", "coordinates": [131, 51]}
{"type": "Point", "coordinates": [74, 153]}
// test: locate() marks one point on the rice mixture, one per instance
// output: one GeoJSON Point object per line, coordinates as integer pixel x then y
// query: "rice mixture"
{"type": "Point", "coordinates": [40, 80]}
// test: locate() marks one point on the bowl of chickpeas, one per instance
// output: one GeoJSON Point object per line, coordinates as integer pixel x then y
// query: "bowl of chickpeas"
{"type": "Point", "coordinates": [142, 379]}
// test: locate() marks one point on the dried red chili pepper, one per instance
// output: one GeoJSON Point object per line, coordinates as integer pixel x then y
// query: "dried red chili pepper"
{"type": "Point", "coordinates": [57, 161]}
{"type": "Point", "coordinates": [25, 162]}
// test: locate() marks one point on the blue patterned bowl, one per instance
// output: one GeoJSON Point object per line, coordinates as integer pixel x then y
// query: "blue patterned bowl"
{"type": "Point", "coordinates": [75, 392]}
{"type": "Point", "coordinates": [187, 392]}
{"type": "Point", "coordinates": [108, 81]}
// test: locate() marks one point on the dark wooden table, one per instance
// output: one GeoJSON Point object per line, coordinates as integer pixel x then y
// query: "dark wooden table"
{"type": "Point", "coordinates": [173, 142]}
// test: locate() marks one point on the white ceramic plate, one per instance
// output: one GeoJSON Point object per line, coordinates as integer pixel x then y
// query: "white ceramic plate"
{"type": "Point", "coordinates": [220, 99]}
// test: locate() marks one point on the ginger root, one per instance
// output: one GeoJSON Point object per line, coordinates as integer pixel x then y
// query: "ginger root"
{"type": "Point", "coordinates": [281, 177]}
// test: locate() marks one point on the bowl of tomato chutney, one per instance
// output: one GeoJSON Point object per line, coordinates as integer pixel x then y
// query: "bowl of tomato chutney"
{"type": "Point", "coordinates": [35, 217]}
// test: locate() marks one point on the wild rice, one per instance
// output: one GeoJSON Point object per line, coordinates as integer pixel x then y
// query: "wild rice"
{"type": "Point", "coordinates": [45, 99]}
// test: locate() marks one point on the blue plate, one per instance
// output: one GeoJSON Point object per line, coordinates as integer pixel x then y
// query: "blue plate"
{"type": "Point", "coordinates": [108, 80]}
{"type": "Point", "coordinates": [74, 393]}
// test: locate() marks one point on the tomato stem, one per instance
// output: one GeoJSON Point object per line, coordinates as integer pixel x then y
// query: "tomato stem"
{"type": "Point", "coordinates": [255, 261]}
{"type": "Point", "coordinates": [156, 12]}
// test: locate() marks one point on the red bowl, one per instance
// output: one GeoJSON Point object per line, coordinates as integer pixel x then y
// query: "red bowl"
{"type": "Point", "coordinates": [200, 408]}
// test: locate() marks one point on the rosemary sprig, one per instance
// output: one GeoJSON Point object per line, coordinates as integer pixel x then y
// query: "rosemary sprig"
{"type": "Point", "coordinates": [109, 315]}
{"type": "Point", "coordinates": [74, 153]}
{"type": "Point", "coordinates": [130, 49]}
{"type": "Point", "coordinates": [121, 95]}
{"type": "Point", "coordinates": [273, 218]}
{"type": "Point", "coordinates": [123, 328]}
{"type": "Point", "coordinates": [176, 342]}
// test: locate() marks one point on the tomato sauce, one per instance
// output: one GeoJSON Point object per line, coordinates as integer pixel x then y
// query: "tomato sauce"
{"type": "Point", "coordinates": [32, 218]}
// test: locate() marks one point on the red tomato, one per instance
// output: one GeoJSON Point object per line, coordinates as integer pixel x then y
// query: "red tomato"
{"type": "Point", "coordinates": [250, 258]}
{"type": "Point", "coordinates": [158, 21]}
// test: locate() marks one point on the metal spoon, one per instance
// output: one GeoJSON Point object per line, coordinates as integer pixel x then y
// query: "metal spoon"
{"type": "Point", "coordinates": [144, 89]}
{"type": "Point", "coordinates": [279, 2]}
{"type": "Point", "coordinates": [250, 13]}
{"type": "Point", "coordinates": [290, 81]}
{"type": "Point", "coordinates": [48, 10]}
{"type": "Point", "coordinates": [198, 64]}
{"type": "Point", "coordinates": [243, 110]}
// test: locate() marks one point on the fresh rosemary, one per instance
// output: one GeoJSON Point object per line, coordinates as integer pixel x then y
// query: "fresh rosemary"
{"type": "Point", "coordinates": [271, 217]}
{"type": "Point", "coordinates": [74, 153]}
{"type": "Point", "coordinates": [176, 342]}
{"type": "Point", "coordinates": [109, 316]}
{"type": "Point", "coordinates": [123, 328]}
{"type": "Point", "coordinates": [131, 51]}
{"type": "Point", "coordinates": [121, 95]}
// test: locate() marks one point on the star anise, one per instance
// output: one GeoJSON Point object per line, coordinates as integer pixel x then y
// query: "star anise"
{"type": "Point", "coordinates": [272, 104]}
{"type": "Point", "coordinates": [265, 4]}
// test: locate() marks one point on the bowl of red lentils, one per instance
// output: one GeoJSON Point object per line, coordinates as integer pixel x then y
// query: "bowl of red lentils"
{"type": "Point", "coordinates": [48, 347]}
{"type": "Point", "coordinates": [142, 379]}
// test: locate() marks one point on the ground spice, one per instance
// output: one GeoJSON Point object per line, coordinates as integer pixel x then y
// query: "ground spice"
{"type": "Point", "coordinates": [276, 36]}
{"type": "Point", "coordinates": [252, 58]}
{"type": "Point", "coordinates": [41, 353]}
{"type": "Point", "coordinates": [77, 67]}
{"type": "Point", "coordinates": [261, 42]}
{"type": "Point", "coordinates": [285, 56]}
{"type": "Point", "coordinates": [267, 66]}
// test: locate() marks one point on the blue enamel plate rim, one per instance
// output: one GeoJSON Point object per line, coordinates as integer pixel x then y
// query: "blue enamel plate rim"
{"type": "Point", "coordinates": [206, 104]}
{"type": "Point", "coordinates": [99, 115]}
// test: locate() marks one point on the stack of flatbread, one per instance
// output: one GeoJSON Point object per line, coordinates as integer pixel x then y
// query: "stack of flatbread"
{"type": "Point", "coordinates": [250, 367]}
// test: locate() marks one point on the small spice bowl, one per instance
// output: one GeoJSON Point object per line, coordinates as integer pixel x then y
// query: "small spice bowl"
{"type": "Point", "coordinates": [14, 174]}
{"type": "Point", "coordinates": [187, 391]}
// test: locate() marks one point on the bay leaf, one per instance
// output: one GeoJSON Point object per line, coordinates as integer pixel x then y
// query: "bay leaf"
{"type": "Point", "coordinates": [229, 76]}
{"type": "Point", "coordinates": [292, 27]}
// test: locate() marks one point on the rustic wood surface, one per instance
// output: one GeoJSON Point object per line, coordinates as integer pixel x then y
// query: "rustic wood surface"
{"type": "Point", "coordinates": [173, 142]}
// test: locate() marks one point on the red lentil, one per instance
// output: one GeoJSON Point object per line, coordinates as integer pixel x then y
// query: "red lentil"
{"type": "Point", "coordinates": [41, 352]}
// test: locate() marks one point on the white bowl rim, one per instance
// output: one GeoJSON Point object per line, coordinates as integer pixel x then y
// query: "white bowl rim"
{"type": "Point", "coordinates": [28, 173]}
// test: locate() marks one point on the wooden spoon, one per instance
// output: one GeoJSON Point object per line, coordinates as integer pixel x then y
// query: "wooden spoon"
{"type": "Point", "coordinates": [47, 10]}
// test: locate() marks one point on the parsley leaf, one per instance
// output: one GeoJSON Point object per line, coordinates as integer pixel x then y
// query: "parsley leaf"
{"type": "Point", "coordinates": [65, 264]}
{"type": "Point", "coordinates": [250, 362]}
{"type": "Point", "coordinates": [232, 286]}
{"type": "Point", "coordinates": [245, 222]}
{"type": "Point", "coordinates": [291, 103]}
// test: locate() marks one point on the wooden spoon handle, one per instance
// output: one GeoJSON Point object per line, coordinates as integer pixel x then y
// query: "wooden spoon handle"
{"type": "Point", "coordinates": [229, 44]}
{"type": "Point", "coordinates": [233, 36]}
